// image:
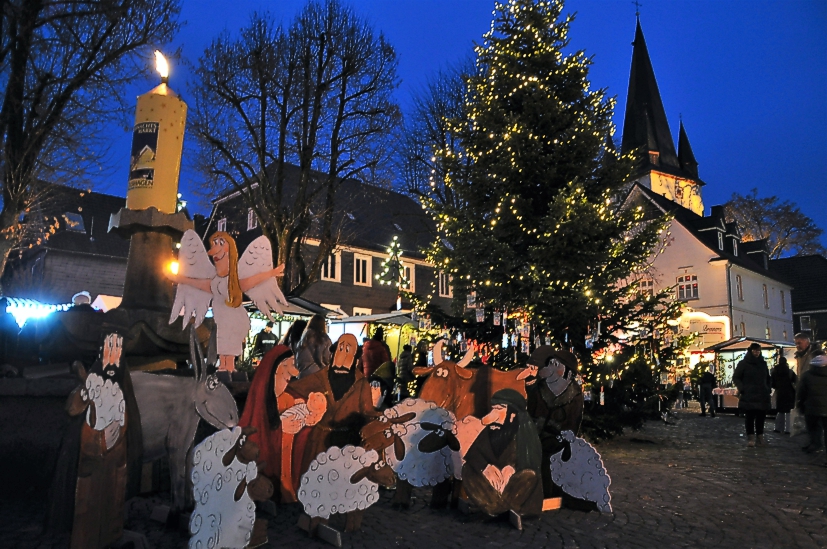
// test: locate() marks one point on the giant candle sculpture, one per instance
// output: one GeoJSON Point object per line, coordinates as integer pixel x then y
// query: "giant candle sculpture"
{"type": "Point", "coordinates": [151, 222]}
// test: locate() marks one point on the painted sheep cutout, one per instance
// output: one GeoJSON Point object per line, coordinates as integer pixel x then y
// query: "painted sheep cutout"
{"type": "Point", "coordinates": [418, 440]}
{"type": "Point", "coordinates": [225, 483]}
{"type": "Point", "coordinates": [578, 470]}
{"type": "Point", "coordinates": [340, 480]}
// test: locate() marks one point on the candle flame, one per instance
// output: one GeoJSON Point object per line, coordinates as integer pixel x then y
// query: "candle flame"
{"type": "Point", "coordinates": [161, 65]}
{"type": "Point", "coordinates": [173, 267]}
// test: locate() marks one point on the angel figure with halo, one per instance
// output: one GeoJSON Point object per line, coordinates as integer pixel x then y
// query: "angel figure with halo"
{"type": "Point", "coordinates": [222, 282]}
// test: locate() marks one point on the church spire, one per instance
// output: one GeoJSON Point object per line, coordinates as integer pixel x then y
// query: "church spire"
{"type": "Point", "coordinates": [645, 125]}
{"type": "Point", "coordinates": [685, 155]}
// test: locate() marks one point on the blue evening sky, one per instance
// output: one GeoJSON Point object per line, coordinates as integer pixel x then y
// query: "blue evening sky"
{"type": "Point", "coordinates": [749, 77]}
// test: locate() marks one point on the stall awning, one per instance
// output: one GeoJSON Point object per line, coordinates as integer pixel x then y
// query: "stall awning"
{"type": "Point", "coordinates": [742, 343]}
{"type": "Point", "coordinates": [298, 306]}
{"type": "Point", "coordinates": [397, 318]}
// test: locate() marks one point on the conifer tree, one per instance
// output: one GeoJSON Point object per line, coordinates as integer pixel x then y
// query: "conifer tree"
{"type": "Point", "coordinates": [534, 226]}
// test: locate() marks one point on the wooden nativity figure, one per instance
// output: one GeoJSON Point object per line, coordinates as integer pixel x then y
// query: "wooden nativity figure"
{"type": "Point", "coordinates": [222, 282]}
{"type": "Point", "coordinates": [501, 473]}
{"type": "Point", "coordinates": [102, 462]}
{"type": "Point", "coordinates": [555, 401]}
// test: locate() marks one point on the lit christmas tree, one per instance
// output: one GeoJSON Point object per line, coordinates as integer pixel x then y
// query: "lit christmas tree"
{"type": "Point", "coordinates": [393, 271]}
{"type": "Point", "coordinates": [533, 227]}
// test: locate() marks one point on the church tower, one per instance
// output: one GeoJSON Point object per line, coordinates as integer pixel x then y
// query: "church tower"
{"type": "Point", "coordinates": [645, 128]}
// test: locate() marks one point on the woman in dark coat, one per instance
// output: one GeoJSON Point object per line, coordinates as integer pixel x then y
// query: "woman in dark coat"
{"type": "Point", "coordinates": [783, 381]}
{"type": "Point", "coordinates": [752, 378]}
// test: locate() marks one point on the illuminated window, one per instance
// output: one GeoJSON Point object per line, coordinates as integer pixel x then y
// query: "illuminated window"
{"type": "Point", "coordinates": [252, 220]}
{"type": "Point", "coordinates": [221, 225]}
{"type": "Point", "coordinates": [687, 287]}
{"type": "Point", "coordinates": [445, 289]}
{"type": "Point", "coordinates": [785, 335]}
{"type": "Point", "coordinates": [332, 268]}
{"type": "Point", "coordinates": [766, 297]}
{"type": "Point", "coordinates": [410, 272]}
{"type": "Point", "coordinates": [768, 332]}
{"type": "Point", "coordinates": [74, 222]}
{"type": "Point", "coordinates": [362, 311]}
{"type": "Point", "coordinates": [362, 270]}
{"type": "Point", "coordinates": [739, 287]}
{"type": "Point", "coordinates": [743, 329]}
{"type": "Point", "coordinates": [720, 240]}
{"type": "Point", "coordinates": [734, 247]}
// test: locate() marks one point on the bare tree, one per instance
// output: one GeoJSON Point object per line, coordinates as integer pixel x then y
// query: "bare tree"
{"type": "Point", "coordinates": [789, 232]}
{"type": "Point", "coordinates": [316, 95]}
{"type": "Point", "coordinates": [429, 128]}
{"type": "Point", "coordinates": [63, 67]}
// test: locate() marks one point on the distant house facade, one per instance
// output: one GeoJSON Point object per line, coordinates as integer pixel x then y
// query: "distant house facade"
{"type": "Point", "coordinates": [371, 217]}
{"type": "Point", "coordinates": [808, 277]}
{"type": "Point", "coordinates": [80, 255]}
{"type": "Point", "coordinates": [727, 284]}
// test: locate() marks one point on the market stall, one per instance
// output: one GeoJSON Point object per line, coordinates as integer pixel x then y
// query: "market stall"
{"type": "Point", "coordinates": [727, 355]}
{"type": "Point", "coordinates": [400, 329]}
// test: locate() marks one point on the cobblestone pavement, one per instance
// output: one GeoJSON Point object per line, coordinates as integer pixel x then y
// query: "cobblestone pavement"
{"type": "Point", "coordinates": [691, 484]}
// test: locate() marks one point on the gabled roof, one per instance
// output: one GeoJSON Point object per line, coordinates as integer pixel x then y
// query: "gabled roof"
{"type": "Point", "coordinates": [645, 124]}
{"type": "Point", "coordinates": [371, 216]}
{"type": "Point", "coordinates": [807, 275]}
{"type": "Point", "coordinates": [94, 209]}
{"type": "Point", "coordinates": [704, 228]}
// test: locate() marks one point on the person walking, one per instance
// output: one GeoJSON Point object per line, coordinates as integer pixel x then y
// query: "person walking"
{"type": "Point", "coordinates": [404, 365]}
{"type": "Point", "coordinates": [752, 378]}
{"type": "Point", "coordinates": [706, 384]}
{"type": "Point", "coordinates": [812, 400]}
{"type": "Point", "coordinates": [783, 381]}
{"type": "Point", "coordinates": [375, 352]}
{"type": "Point", "coordinates": [805, 350]}
{"type": "Point", "coordinates": [264, 341]}
{"type": "Point", "coordinates": [313, 351]}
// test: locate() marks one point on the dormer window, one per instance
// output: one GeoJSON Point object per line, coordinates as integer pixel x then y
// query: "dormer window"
{"type": "Point", "coordinates": [74, 222]}
{"type": "Point", "coordinates": [734, 247]}
{"type": "Point", "coordinates": [654, 158]}
{"type": "Point", "coordinates": [720, 240]}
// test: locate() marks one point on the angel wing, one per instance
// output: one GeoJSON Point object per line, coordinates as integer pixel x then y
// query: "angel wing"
{"type": "Point", "coordinates": [193, 262]}
{"type": "Point", "coordinates": [258, 258]}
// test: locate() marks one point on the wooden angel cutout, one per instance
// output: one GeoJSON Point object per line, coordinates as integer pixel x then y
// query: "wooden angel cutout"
{"type": "Point", "coordinates": [222, 282]}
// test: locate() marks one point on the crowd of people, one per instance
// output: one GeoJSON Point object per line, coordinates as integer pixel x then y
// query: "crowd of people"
{"type": "Point", "coordinates": [808, 393]}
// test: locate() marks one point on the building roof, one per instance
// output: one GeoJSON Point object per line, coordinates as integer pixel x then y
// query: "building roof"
{"type": "Point", "coordinates": [645, 124]}
{"type": "Point", "coordinates": [807, 275]}
{"type": "Point", "coordinates": [83, 218]}
{"type": "Point", "coordinates": [370, 216]}
{"type": "Point", "coordinates": [686, 157]}
{"type": "Point", "coordinates": [704, 228]}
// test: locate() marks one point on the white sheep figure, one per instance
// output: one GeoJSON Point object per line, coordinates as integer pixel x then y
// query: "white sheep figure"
{"type": "Point", "coordinates": [218, 519]}
{"type": "Point", "coordinates": [326, 487]}
{"type": "Point", "coordinates": [109, 404]}
{"type": "Point", "coordinates": [418, 467]}
{"type": "Point", "coordinates": [581, 474]}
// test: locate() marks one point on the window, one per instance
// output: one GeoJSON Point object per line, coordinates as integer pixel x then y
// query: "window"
{"type": "Point", "coordinates": [734, 247]}
{"type": "Point", "coordinates": [687, 287]}
{"type": "Point", "coordinates": [252, 220]}
{"type": "Point", "coordinates": [221, 225]}
{"type": "Point", "coordinates": [361, 311]}
{"type": "Point", "coordinates": [739, 287]}
{"type": "Point", "coordinates": [785, 335]}
{"type": "Point", "coordinates": [743, 329]}
{"type": "Point", "coordinates": [362, 270]}
{"type": "Point", "coordinates": [333, 307]}
{"type": "Point", "coordinates": [445, 289]}
{"type": "Point", "coordinates": [805, 324]}
{"type": "Point", "coordinates": [783, 303]}
{"type": "Point", "coordinates": [74, 222]}
{"type": "Point", "coordinates": [768, 332]}
{"type": "Point", "coordinates": [766, 297]}
{"type": "Point", "coordinates": [646, 286]}
{"type": "Point", "coordinates": [332, 268]}
{"type": "Point", "coordinates": [678, 190]}
{"type": "Point", "coordinates": [410, 272]}
{"type": "Point", "coordinates": [653, 157]}
{"type": "Point", "coordinates": [720, 240]}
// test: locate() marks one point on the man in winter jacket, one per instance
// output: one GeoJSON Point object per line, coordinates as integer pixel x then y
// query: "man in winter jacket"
{"type": "Point", "coordinates": [812, 400]}
{"type": "Point", "coordinates": [805, 350]}
{"type": "Point", "coordinates": [707, 383]}
{"type": "Point", "coordinates": [752, 378]}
